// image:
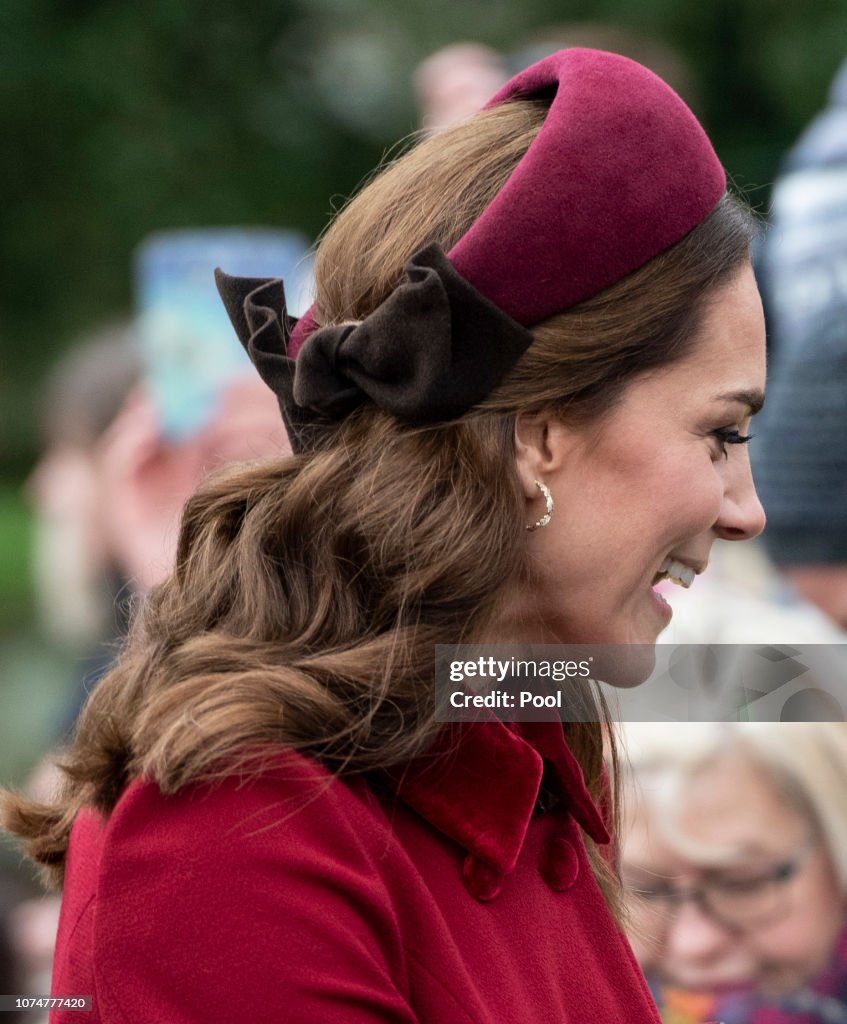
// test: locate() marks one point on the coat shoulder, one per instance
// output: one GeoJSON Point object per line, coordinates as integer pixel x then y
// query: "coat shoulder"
{"type": "Point", "coordinates": [199, 891]}
{"type": "Point", "coordinates": [285, 800]}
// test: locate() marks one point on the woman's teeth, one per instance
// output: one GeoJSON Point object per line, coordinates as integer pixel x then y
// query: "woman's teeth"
{"type": "Point", "coordinates": [675, 571]}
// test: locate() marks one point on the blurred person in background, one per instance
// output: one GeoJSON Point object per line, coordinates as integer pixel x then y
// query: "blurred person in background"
{"type": "Point", "coordinates": [199, 405]}
{"type": "Point", "coordinates": [455, 81]}
{"type": "Point", "coordinates": [452, 83]}
{"type": "Point", "coordinates": [195, 405]}
{"type": "Point", "coordinates": [79, 581]}
{"type": "Point", "coordinates": [77, 576]}
{"type": "Point", "coordinates": [134, 418]}
{"type": "Point", "coordinates": [792, 584]}
{"type": "Point", "coordinates": [800, 460]}
{"type": "Point", "coordinates": [734, 861]}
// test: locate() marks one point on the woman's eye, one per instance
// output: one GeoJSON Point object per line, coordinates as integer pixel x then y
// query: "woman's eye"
{"type": "Point", "coordinates": [730, 435]}
{"type": "Point", "coordinates": [736, 886]}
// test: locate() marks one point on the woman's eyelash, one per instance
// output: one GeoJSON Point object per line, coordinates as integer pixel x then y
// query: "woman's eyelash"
{"type": "Point", "coordinates": [731, 435]}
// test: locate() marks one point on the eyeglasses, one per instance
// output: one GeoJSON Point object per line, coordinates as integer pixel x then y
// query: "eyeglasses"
{"type": "Point", "coordinates": [738, 902]}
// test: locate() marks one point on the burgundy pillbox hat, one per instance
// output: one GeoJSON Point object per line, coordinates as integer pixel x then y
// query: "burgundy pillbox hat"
{"type": "Point", "coordinates": [619, 171]}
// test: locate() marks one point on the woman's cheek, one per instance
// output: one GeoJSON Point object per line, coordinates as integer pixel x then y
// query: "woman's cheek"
{"type": "Point", "coordinates": [710, 497]}
{"type": "Point", "coordinates": [694, 484]}
{"type": "Point", "coordinates": [697, 505]}
{"type": "Point", "coordinates": [791, 953]}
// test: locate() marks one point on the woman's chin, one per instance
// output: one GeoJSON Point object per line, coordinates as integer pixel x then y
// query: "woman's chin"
{"type": "Point", "coordinates": [626, 665]}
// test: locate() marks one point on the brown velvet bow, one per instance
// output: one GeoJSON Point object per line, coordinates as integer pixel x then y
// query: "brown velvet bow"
{"type": "Point", "coordinates": [431, 351]}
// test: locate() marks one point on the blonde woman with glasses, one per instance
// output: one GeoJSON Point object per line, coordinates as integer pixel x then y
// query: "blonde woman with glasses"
{"type": "Point", "coordinates": [734, 861]}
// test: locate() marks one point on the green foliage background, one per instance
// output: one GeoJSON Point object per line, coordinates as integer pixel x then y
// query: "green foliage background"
{"type": "Point", "coordinates": [121, 118]}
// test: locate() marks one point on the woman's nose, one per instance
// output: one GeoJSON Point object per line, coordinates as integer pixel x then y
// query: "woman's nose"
{"type": "Point", "coordinates": [742, 516]}
{"type": "Point", "coordinates": [694, 939]}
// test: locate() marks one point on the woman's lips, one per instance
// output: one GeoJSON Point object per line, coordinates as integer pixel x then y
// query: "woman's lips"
{"type": "Point", "coordinates": [660, 604]}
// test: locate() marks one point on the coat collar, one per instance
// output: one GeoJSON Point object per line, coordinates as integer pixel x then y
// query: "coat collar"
{"type": "Point", "coordinates": [480, 781]}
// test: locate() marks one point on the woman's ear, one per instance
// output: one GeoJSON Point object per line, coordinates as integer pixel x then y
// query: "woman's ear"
{"type": "Point", "coordinates": [542, 446]}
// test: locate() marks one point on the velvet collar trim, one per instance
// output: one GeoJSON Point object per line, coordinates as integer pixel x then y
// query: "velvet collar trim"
{"type": "Point", "coordinates": [480, 782]}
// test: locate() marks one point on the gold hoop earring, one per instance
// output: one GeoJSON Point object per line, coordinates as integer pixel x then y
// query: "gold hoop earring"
{"type": "Point", "coordinates": [548, 515]}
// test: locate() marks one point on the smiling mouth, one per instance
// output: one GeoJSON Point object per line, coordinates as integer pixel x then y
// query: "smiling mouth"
{"type": "Point", "coordinates": [677, 572]}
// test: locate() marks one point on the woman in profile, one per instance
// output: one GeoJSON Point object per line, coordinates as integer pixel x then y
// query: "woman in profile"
{"type": "Point", "coordinates": [518, 403]}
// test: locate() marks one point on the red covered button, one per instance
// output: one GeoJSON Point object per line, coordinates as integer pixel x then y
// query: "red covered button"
{"type": "Point", "coordinates": [559, 863]}
{"type": "Point", "coordinates": [482, 881]}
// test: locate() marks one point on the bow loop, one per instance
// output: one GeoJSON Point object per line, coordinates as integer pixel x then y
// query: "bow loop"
{"type": "Point", "coordinates": [258, 313]}
{"type": "Point", "coordinates": [431, 351]}
{"type": "Point", "coordinates": [322, 381]}
{"type": "Point", "coordinates": [257, 310]}
{"type": "Point", "coordinates": [399, 356]}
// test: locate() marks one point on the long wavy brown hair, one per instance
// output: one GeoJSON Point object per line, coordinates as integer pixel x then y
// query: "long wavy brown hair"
{"type": "Point", "coordinates": [309, 590]}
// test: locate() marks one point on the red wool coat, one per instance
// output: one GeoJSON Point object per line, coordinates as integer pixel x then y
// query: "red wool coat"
{"type": "Point", "coordinates": [442, 898]}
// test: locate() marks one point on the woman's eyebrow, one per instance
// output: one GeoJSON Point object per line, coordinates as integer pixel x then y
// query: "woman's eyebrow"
{"type": "Point", "coordinates": [753, 399]}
